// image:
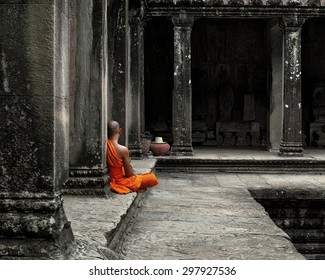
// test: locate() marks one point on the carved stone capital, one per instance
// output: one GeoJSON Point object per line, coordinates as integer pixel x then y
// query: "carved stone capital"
{"type": "Point", "coordinates": [291, 22]}
{"type": "Point", "coordinates": [183, 21]}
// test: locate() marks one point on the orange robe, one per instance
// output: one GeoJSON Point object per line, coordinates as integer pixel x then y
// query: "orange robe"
{"type": "Point", "coordinates": [118, 181]}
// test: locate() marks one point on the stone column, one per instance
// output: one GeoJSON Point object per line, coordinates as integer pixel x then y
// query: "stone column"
{"type": "Point", "coordinates": [137, 83]}
{"type": "Point", "coordinates": [34, 129]}
{"type": "Point", "coordinates": [120, 81]}
{"type": "Point", "coordinates": [182, 93]}
{"type": "Point", "coordinates": [88, 98]}
{"type": "Point", "coordinates": [276, 100]}
{"type": "Point", "coordinates": [291, 143]}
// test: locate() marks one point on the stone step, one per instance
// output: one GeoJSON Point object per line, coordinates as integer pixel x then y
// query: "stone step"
{"type": "Point", "coordinates": [279, 166]}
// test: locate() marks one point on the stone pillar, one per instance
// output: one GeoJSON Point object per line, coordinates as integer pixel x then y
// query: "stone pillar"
{"type": "Point", "coordinates": [34, 129]}
{"type": "Point", "coordinates": [291, 143]}
{"type": "Point", "coordinates": [88, 99]}
{"type": "Point", "coordinates": [276, 100]}
{"type": "Point", "coordinates": [120, 73]}
{"type": "Point", "coordinates": [182, 93]}
{"type": "Point", "coordinates": [137, 83]}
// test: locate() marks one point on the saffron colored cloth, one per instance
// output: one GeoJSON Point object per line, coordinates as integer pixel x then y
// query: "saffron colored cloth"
{"type": "Point", "coordinates": [118, 181]}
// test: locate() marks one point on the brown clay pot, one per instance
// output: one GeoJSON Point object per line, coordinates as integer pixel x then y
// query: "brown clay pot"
{"type": "Point", "coordinates": [159, 149]}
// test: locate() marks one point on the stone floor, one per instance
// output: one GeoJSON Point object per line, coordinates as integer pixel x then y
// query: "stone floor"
{"type": "Point", "coordinates": [210, 216]}
{"type": "Point", "coordinates": [194, 215]}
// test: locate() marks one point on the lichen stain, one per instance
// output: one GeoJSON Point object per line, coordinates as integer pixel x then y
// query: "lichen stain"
{"type": "Point", "coordinates": [294, 39]}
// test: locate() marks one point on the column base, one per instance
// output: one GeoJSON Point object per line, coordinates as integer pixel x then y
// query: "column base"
{"type": "Point", "coordinates": [184, 150]}
{"type": "Point", "coordinates": [82, 248]}
{"type": "Point", "coordinates": [34, 228]}
{"type": "Point", "coordinates": [135, 151]}
{"type": "Point", "coordinates": [291, 150]}
{"type": "Point", "coordinates": [38, 248]}
{"type": "Point", "coordinates": [87, 182]}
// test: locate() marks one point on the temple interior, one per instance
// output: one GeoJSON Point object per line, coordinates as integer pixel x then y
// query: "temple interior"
{"type": "Point", "coordinates": [231, 81]}
{"type": "Point", "coordinates": [313, 82]}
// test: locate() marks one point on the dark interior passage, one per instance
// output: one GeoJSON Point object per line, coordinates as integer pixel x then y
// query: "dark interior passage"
{"type": "Point", "coordinates": [229, 78]}
{"type": "Point", "coordinates": [313, 82]}
{"type": "Point", "coordinates": [159, 63]}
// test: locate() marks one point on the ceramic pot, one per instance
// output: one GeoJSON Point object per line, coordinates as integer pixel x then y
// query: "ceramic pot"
{"type": "Point", "coordinates": [159, 149]}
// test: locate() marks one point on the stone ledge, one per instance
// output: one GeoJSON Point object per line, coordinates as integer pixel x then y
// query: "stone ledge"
{"type": "Point", "coordinates": [275, 166]}
{"type": "Point", "coordinates": [218, 3]}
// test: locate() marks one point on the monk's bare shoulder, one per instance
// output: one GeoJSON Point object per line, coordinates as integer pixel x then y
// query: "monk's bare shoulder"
{"type": "Point", "coordinates": [122, 151]}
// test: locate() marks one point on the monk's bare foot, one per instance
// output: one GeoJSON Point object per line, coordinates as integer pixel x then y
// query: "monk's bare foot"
{"type": "Point", "coordinates": [142, 190]}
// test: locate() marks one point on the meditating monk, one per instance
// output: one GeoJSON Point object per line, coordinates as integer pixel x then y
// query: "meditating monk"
{"type": "Point", "coordinates": [122, 178]}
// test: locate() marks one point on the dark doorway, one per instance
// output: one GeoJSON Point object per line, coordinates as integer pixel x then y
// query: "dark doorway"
{"type": "Point", "coordinates": [313, 82]}
{"type": "Point", "coordinates": [229, 78]}
{"type": "Point", "coordinates": [159, 63]}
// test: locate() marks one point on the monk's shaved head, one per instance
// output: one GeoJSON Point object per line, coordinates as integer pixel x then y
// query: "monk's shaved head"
{"type": "Point", "coordinates": [112, 128]}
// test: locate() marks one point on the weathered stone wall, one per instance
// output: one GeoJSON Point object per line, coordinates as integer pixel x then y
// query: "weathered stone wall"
{"type": "Point", "coordinates": [33, 129]}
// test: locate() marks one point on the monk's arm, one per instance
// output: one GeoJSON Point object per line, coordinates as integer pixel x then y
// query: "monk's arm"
{"type": "Point", "coordinates": [126, 164]}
